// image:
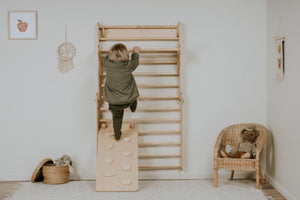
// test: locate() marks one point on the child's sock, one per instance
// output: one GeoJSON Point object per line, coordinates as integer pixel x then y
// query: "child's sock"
{"type": "Point", "coordinates": [118, 135]}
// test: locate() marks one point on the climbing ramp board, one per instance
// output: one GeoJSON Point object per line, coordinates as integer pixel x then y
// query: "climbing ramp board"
{"type": "Point", "coordinates": [117, 161]}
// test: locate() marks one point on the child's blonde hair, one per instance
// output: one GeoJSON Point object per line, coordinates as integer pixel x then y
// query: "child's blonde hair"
{"type": "Point", "coordinates": [118, 52]}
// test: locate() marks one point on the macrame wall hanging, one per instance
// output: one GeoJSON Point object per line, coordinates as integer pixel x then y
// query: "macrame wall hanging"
{"type": "Point", "coordinates": [66, 52]}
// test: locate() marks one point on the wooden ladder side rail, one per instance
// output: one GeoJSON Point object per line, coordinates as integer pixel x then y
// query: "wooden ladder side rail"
{"type": "Point", "coordinates": [180, 93]}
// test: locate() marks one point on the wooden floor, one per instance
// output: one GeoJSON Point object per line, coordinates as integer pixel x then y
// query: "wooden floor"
{"type": "Point", "coordinates": [269, 190]}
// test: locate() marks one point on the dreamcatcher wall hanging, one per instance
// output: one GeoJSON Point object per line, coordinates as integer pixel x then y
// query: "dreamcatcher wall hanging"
{"type": "Point", "coordinates": [66, 52]}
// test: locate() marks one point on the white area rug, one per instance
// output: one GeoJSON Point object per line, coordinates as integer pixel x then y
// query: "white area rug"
{"type": "Point", "coordinates": [156, 190]}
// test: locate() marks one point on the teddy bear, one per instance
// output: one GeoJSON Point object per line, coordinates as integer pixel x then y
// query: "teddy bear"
{"type": "Point", "coordinates": [64, 160]}
{"type": "Point", "coordinates": [246, 148]}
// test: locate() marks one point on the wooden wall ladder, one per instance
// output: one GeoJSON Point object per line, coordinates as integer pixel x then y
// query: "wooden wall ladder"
{"type": "Point", "coordinates": [157, 34]}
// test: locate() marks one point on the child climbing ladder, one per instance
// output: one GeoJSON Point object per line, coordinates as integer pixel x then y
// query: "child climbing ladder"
{"type": "Point", "coordinates": [117, 163]}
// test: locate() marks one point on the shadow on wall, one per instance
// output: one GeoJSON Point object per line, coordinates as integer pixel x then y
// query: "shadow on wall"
{"type": "Point", "coordinates": [270, 162]}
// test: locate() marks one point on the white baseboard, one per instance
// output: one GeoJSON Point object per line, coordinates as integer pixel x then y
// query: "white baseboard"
{"type": "Point", "coordinates": [280, 188]}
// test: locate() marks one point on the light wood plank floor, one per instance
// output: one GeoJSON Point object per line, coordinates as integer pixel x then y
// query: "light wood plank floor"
{"type": "Point", "coordinates": [268, 189]}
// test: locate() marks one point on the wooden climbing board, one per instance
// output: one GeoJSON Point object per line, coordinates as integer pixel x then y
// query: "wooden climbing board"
{"type": "Point", "coordinates": [159, 114]}
{"type": "Point", "coordinates": [117, 162]}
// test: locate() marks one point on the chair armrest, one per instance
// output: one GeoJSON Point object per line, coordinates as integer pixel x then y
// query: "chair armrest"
{"type": "Point", "coordinates": [218, 143]}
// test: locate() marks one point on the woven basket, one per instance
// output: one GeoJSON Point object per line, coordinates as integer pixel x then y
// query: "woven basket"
{"type": "Point", "coordinates": [55, 174]}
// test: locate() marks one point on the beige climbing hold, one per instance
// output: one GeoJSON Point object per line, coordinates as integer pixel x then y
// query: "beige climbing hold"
{"type": "Point", "coordinates": [126, 182]}
{"type": "Point", "coordinates": [126, 167]}
{"type": "Point", "coordinates": [109, 133]}
{"type": "Point", "coordinates": [126, 153]}
{"type": "Point", "coordinates": [108, 174]}
{"type": "Point", "coordinates": [126, 139]}
{"type": "Point", "coordinates": [109, 146]}
{"type": "Point", "coordinates": [108, 160]}
{"type": "Point", "coordinates": [103, 125]}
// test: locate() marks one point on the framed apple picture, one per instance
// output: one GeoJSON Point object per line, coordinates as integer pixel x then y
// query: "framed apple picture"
{"type": "Point", "coordinates": [22, 25]}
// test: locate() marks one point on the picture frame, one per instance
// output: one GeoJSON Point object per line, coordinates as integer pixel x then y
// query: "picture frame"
{"type": "Point", "coordinates": [23, 25]}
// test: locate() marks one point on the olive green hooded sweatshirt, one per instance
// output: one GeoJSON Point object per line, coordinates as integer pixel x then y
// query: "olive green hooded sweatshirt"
{"type": "Point", "coordinates": [120, 86]}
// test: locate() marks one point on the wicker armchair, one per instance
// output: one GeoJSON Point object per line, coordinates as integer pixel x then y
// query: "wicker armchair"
{"type": "Point", "coordinates": [232, 134]}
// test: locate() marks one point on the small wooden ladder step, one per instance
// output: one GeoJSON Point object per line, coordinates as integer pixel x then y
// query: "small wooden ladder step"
{"type": "Point", "coordinates": [148, 50]}
{"type": "Point", "coordinates": [149, 74]}
{"type": "Point", "coordinates": [138, 39]}
{"type": "Point", "coordinates": [149, 156]}
{"type": "Point", "coordinates": [156, 98]}
{"type": "Point", "coordinates": [157, 62]}
{"type": "Point", "coordinates": [159, 132]}
{"type": "Point", "coordinates": [154, 85]}
{"type": "Point", "coordinates": [158, 144]}
{"type": "Point", "coordinates": [137, 27]}
{"type": "Point", "coordinates": [140, 121]}
{"type": "Point", "coordinates": [150, 109]}
{"type": "Point", "coordinates": [158, 167]}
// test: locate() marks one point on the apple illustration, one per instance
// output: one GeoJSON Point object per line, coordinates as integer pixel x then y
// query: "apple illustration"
{"type": "Point", "coordinates": [22, 26]}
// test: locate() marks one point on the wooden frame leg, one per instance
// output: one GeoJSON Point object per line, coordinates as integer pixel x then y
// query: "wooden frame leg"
{"type": "Point", "coordinates": [257, 179]}
{"type": "Point", "coordinates": [261, 176]}
{"type": "Point", "coordinates": [216, 178]}
{"type": "Point", "coordinates": [232, 173]}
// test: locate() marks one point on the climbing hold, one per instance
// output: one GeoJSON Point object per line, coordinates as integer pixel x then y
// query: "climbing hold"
{"type": "Point", "coordinates": [126, 139]}
{"type": "Point", "coordinates": [103, 125]}
{"type": "Point", "coordinates": [109, 174]}
{"type": "Point", "coordinates": [126, 167]}
{"type": "Point", "coordinates": [126, 153]}
{"type": "Point", "coordinates": [132, 126]}
{"type": "Point", "coordinates": [109, 146]}
{"type": "Point", "coordinates": [108, 160]}
{"type": "Point", "coordinates": [126, 182]}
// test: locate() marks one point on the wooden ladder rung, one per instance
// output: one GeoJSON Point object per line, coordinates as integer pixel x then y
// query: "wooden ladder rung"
{"type": "Point", "coordinates": [150, 74]}
{"type": "Point", "coordinates": [146, 156]}
{"type": "Point", "coordinates": [144, 120]}
{"type": "Point", "coordinates": [159, 132]}
{"type": "Point", "coordinates": [158, 167]}
{"type": "Point", "coordinates": [150, 109]}
{"type": "Point", "coordinates": [138, 27]}
{"type": "Point", "coordinates": [138, 39]}
{"type": "Point", "coordinates": [155, 98]}
{"type": "Point", "coordinates": [148, 50]}
{"type": "Point", "coordinates": [158, 144]}
{"type": "Point", "coordinates": [157, 62]}
{"type": "Point", "coordinates": [154, 85]}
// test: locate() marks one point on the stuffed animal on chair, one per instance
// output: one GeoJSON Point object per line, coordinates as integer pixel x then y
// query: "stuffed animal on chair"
{"type": "Point", "coordinates": [246, 148]}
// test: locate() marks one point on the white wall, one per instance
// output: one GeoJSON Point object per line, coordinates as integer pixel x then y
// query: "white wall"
{"type": "Point", "coordinates": [44, 113]}
{"type": "Point", "coordinates": [283, 99]}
